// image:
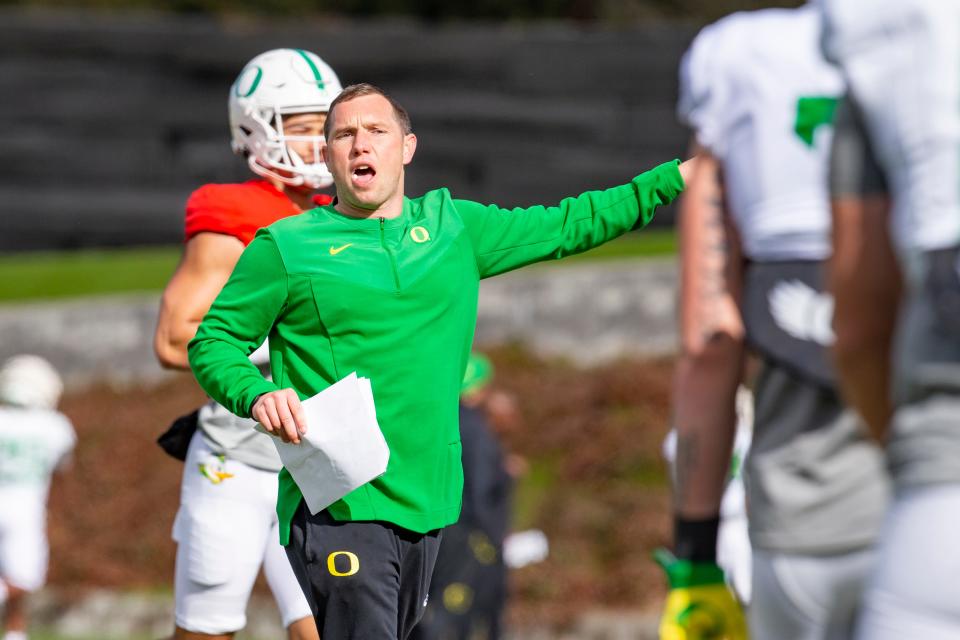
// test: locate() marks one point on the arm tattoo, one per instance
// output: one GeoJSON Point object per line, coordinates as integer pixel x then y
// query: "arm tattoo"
{"type": "Point", "coordinates": [713, 266]}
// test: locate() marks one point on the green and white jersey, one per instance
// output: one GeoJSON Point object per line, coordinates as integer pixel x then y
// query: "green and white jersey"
{"type": "Point", "coordinates": [395, 301]}
{"type": "Point", "coordinates": [32, 444]}
{"type": "Point", "coordinates": [756, 91]}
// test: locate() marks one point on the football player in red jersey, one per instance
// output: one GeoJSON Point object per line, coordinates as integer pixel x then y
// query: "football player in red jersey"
{"type": "Point", "coordinates": [226, 526]}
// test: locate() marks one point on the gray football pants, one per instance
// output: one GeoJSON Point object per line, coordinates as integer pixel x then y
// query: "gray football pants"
{"type": "Point", "coordinates": [914, 592]}
{"type": "Point", "coordinates": [806, 597]}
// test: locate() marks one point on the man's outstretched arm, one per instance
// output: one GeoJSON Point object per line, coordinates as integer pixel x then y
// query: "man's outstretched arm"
{"type": "Point", "coordinates": [506, 239]}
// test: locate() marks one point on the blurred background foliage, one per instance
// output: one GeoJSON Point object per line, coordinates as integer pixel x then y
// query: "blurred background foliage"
{"type": "Point", "coordinates": [602, 11]}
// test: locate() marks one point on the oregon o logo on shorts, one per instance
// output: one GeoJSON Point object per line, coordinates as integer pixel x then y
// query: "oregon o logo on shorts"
{"type": "Point", "coordinates": [332, 563]}
{"type": "Point", "coordinates": [419, 235]}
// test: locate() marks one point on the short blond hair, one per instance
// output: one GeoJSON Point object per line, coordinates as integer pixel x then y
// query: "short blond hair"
{"type": "Point", "coordinates": [366, 89]}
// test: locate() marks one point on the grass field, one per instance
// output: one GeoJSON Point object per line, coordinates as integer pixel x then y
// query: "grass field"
{"type": "Point", "coordinates": [652, 243]}
{"type": "Point", "coordinates": [43, 276]}
{"type": "Point", "coordinates": [35, 276]}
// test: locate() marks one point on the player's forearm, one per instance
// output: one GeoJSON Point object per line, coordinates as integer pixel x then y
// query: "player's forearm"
{"type": "Point", "coordinates": [865, 281]}
{"type": "Point", "coordinates": [705, 388]}
{"type": "Point", "coordinates": [862, 351]}
{"type": "Point", "coordinates": [864, 371]}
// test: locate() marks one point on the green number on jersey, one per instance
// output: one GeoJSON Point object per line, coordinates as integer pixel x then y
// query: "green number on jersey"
{"type": "Point", "coordinates": [811, 113]}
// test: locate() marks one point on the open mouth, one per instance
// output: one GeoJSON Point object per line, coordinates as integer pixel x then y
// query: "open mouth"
{"type": "Point", "coordinates": [363, 174]}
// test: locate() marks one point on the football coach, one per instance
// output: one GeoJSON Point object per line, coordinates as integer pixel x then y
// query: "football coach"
{"type": "Point", "coordinates": [386, 286]}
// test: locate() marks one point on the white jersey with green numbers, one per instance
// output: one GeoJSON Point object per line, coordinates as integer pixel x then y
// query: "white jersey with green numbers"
{"type": "Point", "coordinates": [755, 90]}
{"type": "Point", "coordinates": [32, 443]}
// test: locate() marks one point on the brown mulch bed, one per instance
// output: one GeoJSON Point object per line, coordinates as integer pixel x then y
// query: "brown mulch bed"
{"type": "Point", "coordinates": [597, 485]}
{"type": "Point", "coordinates": [111, 514]}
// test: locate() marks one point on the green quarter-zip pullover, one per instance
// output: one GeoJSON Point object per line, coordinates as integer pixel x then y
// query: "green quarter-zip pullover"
{"type": "Point", "coordinates": [396, 301]}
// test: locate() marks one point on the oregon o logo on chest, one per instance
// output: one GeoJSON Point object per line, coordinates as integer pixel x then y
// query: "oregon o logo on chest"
{"type": "Point", "coordinates": [352, 567]}
{"type": "Point", "coordinates": [419, 235]}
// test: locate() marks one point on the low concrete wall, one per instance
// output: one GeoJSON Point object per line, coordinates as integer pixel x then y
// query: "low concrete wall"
{"type": "Point", "coordinates": [588, 313]}
{"type": "Point", "coordinates": [88, 340]}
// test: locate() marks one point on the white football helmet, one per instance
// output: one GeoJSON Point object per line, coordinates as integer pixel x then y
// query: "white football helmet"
{"type": "Point", "coordinates": [30, 382]}
{"type": "Point", "coordinates": [275, 84]}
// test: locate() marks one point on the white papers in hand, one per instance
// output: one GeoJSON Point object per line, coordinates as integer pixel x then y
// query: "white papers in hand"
{"type": "Point", "coordinates": [343, 447]}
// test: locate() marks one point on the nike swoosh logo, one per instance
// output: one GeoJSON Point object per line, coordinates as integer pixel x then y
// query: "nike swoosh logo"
{"type": "Point", "coordinates": [335, 250]}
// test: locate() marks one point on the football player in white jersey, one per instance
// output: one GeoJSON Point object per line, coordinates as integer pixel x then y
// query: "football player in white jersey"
{"type": "Point", "coordinates": [227, 526]}
{"type": "Point", "coordinates": [754, 235]}
{"type": "Point", "coordinates": [35, 441]}
{"type": "Point", "coordinates": [895, 182]}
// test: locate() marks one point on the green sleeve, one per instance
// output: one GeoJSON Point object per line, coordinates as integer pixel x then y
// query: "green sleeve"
{"type": "Point", "coordinates": [238, 322]}
{"type": "Point", "coordinates": [505, 239]}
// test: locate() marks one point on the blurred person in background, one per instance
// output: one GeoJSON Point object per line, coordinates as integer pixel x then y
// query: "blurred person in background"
{"type": "Point", "coordinates": [754, 238]}
{"type": "Point", "coordinates": [896, 277]}
{"type": "Point", "coordinates": [35, 441]}
{"type": "Point", "coordinates": [385, 286]}
{"type": "Point", "coordinates": [227, 526]}
{"type": "Point", "coordinates": [469, 588]}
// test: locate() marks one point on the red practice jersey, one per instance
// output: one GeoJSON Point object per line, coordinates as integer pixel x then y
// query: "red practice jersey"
{"type": "Point", "coordinates": [239, 210]}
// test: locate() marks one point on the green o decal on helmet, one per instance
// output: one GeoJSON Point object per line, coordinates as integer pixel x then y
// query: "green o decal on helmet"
{"type": "Point", "coordinates": [478, 374]}
{"type": "Point", "coordinates": [253, 84]}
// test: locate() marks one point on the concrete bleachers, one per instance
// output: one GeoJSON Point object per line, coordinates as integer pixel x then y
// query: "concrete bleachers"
{"type": "Point", "coordinates": [109, 122]}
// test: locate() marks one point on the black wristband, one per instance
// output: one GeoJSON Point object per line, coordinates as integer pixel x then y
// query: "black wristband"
{"type": "Point", "coordinates": [696, 540]}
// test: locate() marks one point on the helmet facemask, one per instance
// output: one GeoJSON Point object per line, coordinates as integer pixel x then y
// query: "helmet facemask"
{"type": "Point", "coordinates": [271, 155]}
